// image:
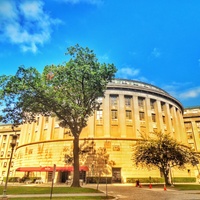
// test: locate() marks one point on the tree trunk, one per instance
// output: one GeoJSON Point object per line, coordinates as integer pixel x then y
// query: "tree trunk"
{"type": "Point", "coordinates": [76, 182]}
{"type": "Point", "coordinates": [166, 177]}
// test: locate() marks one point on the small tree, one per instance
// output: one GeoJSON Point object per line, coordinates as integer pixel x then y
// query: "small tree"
{"type": "Point", "coordinates": [101, 164]}
{"type": "Point", "coordinates": [67, 91]}
{"type": "Point", "coordinates": [98, 159]}
{"type": "Point", "coordinates": [162, 151]}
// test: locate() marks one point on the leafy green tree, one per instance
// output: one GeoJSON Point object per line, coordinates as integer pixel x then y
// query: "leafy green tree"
{"type": "Point", "coordinates": [162, 151]}
{"type": "Point", "coordinates": [67, 91]}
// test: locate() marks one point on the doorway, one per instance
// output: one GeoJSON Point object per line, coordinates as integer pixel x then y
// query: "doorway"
{"type": "Point", "coordinates": [116, 175]}
{"type": "Point", "coordinates": [64, 176]}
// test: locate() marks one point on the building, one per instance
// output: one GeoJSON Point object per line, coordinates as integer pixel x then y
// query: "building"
{"type": "Point", "coordinates": [129, 109]}
{"type": "Point", "coordinates": [192, 126]}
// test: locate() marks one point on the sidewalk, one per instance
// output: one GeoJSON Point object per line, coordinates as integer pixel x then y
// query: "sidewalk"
{"type": "Point", "coordinates": [53, 195]}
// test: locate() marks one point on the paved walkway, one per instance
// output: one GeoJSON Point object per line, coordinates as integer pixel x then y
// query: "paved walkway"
{"type": "Point", "coordinates": [130, 192]}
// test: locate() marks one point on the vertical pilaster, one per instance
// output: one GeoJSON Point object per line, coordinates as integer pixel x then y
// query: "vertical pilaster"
{"type": "Point", "coordinates": [136, 117]}
{"type": "Point", "coordinates": [121, 114]}
{"type": "Point", "coordinates": [106, 115]}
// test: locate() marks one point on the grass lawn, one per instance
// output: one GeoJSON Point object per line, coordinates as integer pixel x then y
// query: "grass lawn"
{"type": "Point", "coordinates": [178, 186]}
{"type": "Point", "coordinates": [64, 198]}
{"type": "Point", "coordinates": [56, 190]}
{"type": "Point", "coordinates": [46, 190]}
{"type": "Point", "coordinates": [186, 187]}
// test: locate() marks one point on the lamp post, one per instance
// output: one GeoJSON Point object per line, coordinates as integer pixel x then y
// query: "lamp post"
{"type": "Point", "coordinates": [12, 144]}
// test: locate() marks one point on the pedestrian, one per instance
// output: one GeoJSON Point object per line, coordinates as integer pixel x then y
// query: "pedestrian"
{"type": "Point", "coordinates": [137, 183]}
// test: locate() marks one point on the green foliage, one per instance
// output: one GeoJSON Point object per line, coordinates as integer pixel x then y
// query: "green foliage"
{"type": "Point", "coordinates": [162, 151]}
{"type": "Point", "coordinates": [146, 180]}
{"type": "Point", "coordinates": [96, 179]}
{"type": "Point", "coordinates": [68, 91]}
{"type": "Point", "coordinates": [161, 180]}
{"type": "Point", "coordinates": [184, 179]}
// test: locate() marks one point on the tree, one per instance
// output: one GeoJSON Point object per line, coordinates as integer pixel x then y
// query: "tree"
{"type": "Point", "coordinates": [97, 159]}
{"type": "Point", "coordinates": [162, 151]}
{"type": "Point", "coordinates": [69, 92]}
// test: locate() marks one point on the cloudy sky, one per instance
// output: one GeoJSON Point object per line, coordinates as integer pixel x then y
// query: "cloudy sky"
{"type": "Point", "coordinates": [155, 41]}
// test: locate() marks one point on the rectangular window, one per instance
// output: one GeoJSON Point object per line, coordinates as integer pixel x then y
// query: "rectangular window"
{"type": "Point", "coordinates": [141, 115]}
{"type": "Point", "coordinates": [114, 115]}
{"type": "Point", "coordinates": [4, 164]}
{"type": "Point", "coordinates": [128, 101]}
{"type": "Point", "coordinates": [113, 100]}
{"type": "Point", "coordinates": [37, 122]}
{"type": "Point", "coordinates": [99, 115]}
{"type": "Point", "coordinates": [188, 126]}
{"type": "Point", "coordinates": [153, 116]}
{"type": "Point", "coordinates": [189, 136]}
{"type": "Point", "coordinates": [162, 106]}
{"type": "Point", "coordinates": [198, 124]}
{"type": "Point", "coordinates": [163, 117]}
{"type": "Point", "coordinates": [46, 119]}
{"type": "Point", "coordinates": [8, 154]}
{"type": "Point", "coordinates": [141, 102]}
{"type": "Point", "coordinates": [128, 115]}
{"type": "Point", "coordinates": [152, 104]}
{"type": "Point", "coordinates": [4, 137]}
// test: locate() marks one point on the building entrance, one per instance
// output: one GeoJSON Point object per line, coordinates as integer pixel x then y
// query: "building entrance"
{"type": "Point", "coordinates": [116, 175]}
{"type": "Point", "coordinates": [64, 176]}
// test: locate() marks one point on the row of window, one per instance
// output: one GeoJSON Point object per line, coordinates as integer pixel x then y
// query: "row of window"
{"type": "Point", "coordinates": [141, 102]}
{"type": "Point", "coordinates": [188, 125]}
{"type": "Point", "coordinates": [128, 115]}
{"type": "Point", "coordinates": [5, 164]}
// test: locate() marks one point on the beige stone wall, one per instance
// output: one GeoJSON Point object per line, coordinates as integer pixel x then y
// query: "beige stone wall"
{"type": "Point", "coordinates": [128, 110]}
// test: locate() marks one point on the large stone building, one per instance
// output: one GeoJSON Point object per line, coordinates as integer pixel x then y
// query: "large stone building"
{"type": "Point", "coordinates": [129, 109]}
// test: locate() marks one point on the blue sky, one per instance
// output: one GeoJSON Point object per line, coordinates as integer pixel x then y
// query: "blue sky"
{"type": "Point", "coordinates": [155, 41]}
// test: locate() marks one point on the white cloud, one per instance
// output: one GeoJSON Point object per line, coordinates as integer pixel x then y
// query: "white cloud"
{"type": "Point", "coordinates": [25, 23]}
{"type": "Point", "coordinates": [127, 72]}
{"type": "Point", "coordinates": [93, 2]}
{"type": "Point", "coordinates": [191, 93]}
{"type": "Point", "coordinates": [182, 91]}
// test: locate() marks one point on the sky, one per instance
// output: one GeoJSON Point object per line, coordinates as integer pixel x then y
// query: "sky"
{"type": "Point", "coordinates": [157, 41]}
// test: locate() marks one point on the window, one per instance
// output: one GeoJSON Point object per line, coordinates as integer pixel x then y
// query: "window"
{"type": "Point", "coordinates": [46, 119]}
{"type": "Point", "coordinates": [162, 106]}
{"type": "Point", "coordinates": [141, 115]}
{"type": "Point", "coordinates": [114, 114]}
{"type": "Point", "coordinates": [152, 104]}
{"type": "Point", "coordinates": [4, 164]}
{"type": "Point", "coordinates": [153, 116]}
{"type": "Point", "coordinates": [141, 102]}
{"type": "Point", "coordinates": [8, 154]}
{"type": "Point", "coordinates": [198, 124]}
{"type": "Point", "coordinates": [99, 115]}
{"type": "Point", "coordinates": [128, 101]}
{"type": "Point", "coordinates": [189, 135]}
{"type": "Point", "coordinates": [128, 115]}
{"type": "Point", "coordinates": [2, 153]}
{"type": "Point", "coordinates": [4, 137]}
{"type": "Point", "coordinates": [100, 99]}
{"type": "Point", "coordinates": [163, 117]}
{"type": "Point", "coordinates": [113, 100]}
{"type": "Point", "coordinates": [188, 126]}
{"type": "Point", "coordinates": [37, 122]}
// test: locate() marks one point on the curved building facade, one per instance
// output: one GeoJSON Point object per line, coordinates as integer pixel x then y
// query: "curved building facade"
{"type": "Point", "coordinates": [129, 109]}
